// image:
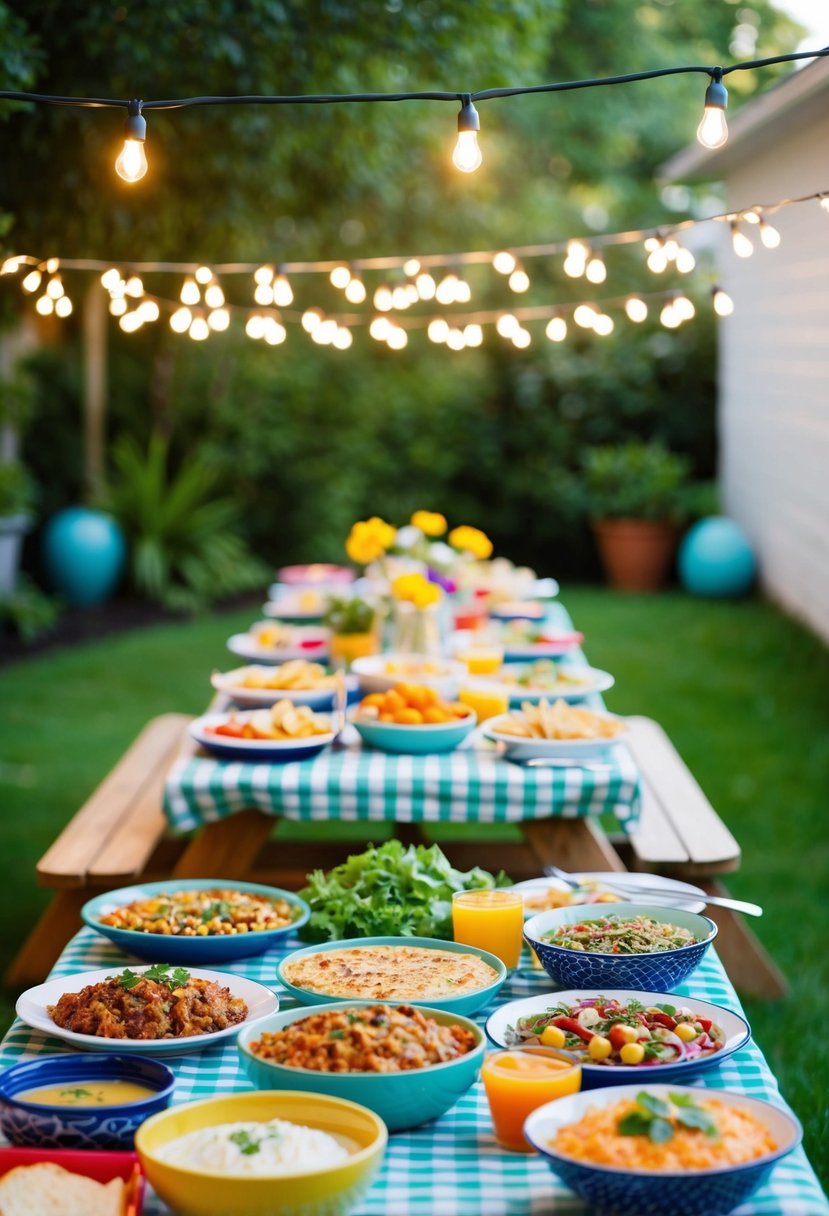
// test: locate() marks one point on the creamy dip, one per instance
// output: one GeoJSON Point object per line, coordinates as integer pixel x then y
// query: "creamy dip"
{"type": "Point", "coordinates": [254, 1149]}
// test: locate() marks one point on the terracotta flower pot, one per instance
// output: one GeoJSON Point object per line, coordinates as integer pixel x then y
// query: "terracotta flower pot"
{"type": "Point", "coordinates": [636, 553]}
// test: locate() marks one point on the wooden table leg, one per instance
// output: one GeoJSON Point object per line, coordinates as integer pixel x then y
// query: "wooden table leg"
{"type": "Point", "coordinates": [227, 848]}
{"type": "Point", "coordinates": [571, 844]}
{"type": "Point", "coordinates": [751, 970]}
{"type": "Point", "coordinates": [59, 921]}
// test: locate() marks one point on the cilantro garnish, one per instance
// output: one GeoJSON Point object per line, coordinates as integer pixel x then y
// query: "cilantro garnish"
{"type": "Point", "coordinates": [161, 973]}
{"type": "Point", "coordinates": [218, 909]}
{"type": "Point", "coordinates": [245, 1142]}
{"type": "Point", "coordinates": [336, 1034]}
{"type": "Point", "coordinates": [78, 1092]}
{"type": "Point", "coordinates": [655, 1118]}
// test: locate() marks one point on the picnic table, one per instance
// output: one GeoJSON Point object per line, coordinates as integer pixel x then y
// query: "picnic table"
{"type": "Point", "coordinates": [453, 1167]}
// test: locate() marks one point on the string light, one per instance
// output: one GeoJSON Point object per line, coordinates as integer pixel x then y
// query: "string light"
{"type": "Point", "coordinates": [275, 333]}
{"type": "Point", "coordinates": [340, 276]}
{"type": "Point", "coordinates": [355, 290]}
{"type": "Point", "coordinates": [283, 295]}
{"type": "Point", "coordinates": [522, 338]}
{"type": "Point", "coordinates": [190, 293]}
{"type": "Point", "coordinates": [199, 329]}
{"type": "Point", "coordinates": [131, 164]}
{"type": "Point", "coordinates": [507, 325]}
{"type": "Point", "coordinates": [636, 309]}
{"type": "Point", "coordinates": [595, 270]}
{"type": "Point", "coordinates": [712, 131]}
{"type": "Point", "coordinates": [382, 299]}
{"type": "Point", "coordinates": [473, 334]}
{"type": "Point", "coordinates": [769, 235]}
{"type": "Point", "coordinates": [214, 297]}
{"type": "Point", "coordinates": [722, 302]}
{"type": "Point", "coordinates": [426, 285]}
{"type": "Point", "coordinates": [467, 154]}
{"type": "Point", "coordinates": [118, 306]}
{"type": "Point", "coordinates": [741, 245]}
{"type": "Point", "coordinates": [603, 325]}
{"type": "Point", "coordinates": [519, 280]}
{"type": "Point", "coordinates": [504, 262]}
{"type": "Point", "coordinates": [32, 281]}
{"type": "Point", "coordinates": [181, 320]}
{"type": "Point", "coordinates": [556, 329]}
{"type": "Point", "coordinates": [575, 262]}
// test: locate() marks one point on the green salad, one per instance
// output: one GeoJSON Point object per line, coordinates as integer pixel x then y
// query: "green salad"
{"type": "Point", "coordinates": [620, 935]}
{"type": "Point", "coordinates": [389, 890]}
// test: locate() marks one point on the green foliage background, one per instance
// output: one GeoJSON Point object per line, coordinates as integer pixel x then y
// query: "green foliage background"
{"type": "Point", "coordinates": [308, 438]}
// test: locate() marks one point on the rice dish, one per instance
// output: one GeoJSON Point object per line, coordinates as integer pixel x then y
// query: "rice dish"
{"type": "Point", "coordinates": [250, 1149]}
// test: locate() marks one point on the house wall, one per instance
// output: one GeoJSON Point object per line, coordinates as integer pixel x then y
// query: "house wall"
{"type": "Point", "coordinates": [774, 375]}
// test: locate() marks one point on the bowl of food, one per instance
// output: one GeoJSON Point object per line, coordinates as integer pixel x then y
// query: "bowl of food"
{"type": "Point", "coordinates": [407, 1063]}
{"type": "Point", "coordinates": [525, 640]}
{"type": "Point", "coordinates": [259, 685]}
{"type": "Point", "coordinates": [636, 1151]}
{"type": "Point", "coordinates": [263, 1154]}
{"type": "Point", "coordinates": [279, 734]}
{"type": "Point", "coordinates": [414, 970]}
{"type": "Point", "coordinates": [276, 642]}
{"type": "Point", "coordinates": [622, 1034]}
{"type": "Point", "coordinates": [550, 680]}
{"type": "Point", "coordinates": [412, 719]}
{"type": "Point", "coordinates": [81, 1101]}
{"type": "Point", "coordinates": [163, 1010]}
{"type": "Point", "coordinates": [631, 945]}
{"type": "Point", "coordinates": [560, 731]}
{"type": "Point", "coordinates": [379, 672]}
{"type": "Point", "coordinates": [196, 921]}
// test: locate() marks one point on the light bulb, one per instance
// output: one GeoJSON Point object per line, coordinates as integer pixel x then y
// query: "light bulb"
{"type": "Point", "coordinates": [712, 132]}
{"type": "Point", "coordinates": [219, 319]}
{"type": "Point", "coordinates": [507, 325]}
{"type": "Point", "coordinates": [325, 332]}
{"type": "Point", "coordinates": [63, 306]}
{"type": "Point", "coordinates": [44, 305]}
{"type": "Point", "coordinates": [595, 271]}
{"type": "Point", "coordinates": [355, 291]}
{"type": "Point", "coordinates": [603, 325]}
{"type": "Point", "coordinates": [10, 266]}
{"type": "Point", "coordinates": [668, 316]}
{"type": "Point", "coordinates": [426, 285]}
{"type": "Point", "coordinates": [263, 275]}
{"type": "Point", "coordinates": [31, 281]}
{"type": "Point", "coordinates": [556, 329]}
{"type": "Point", "coordinates": [685, 261]}
{"type": "Point", "coordinates": [340, 276]}
{"type": "Point", "coordinates": [263, 294]}
{"type": "Point", "coordinates": [455, 339]}
{"type": "Point", "coordinates": [383, 298]}
{"type": "Point", "coordinates": [412, 293]}
{"type": "Point", "coordinates": [111, 278]}
{"type": "Point", "coordinates": [657, 259]}
{"type": "Point", "coordinates": [199, 329]}
{"type": "Point", "coordinates": [311, 318]}
{"type": "Point", "coordinates": [397, 338]}
{"type": "Point", "coordinates": [445, 292]}
{"type": "Point", "coordinates": [190, 293]}
{"type": "Point", "coordinates": [214, 297]}
{"type": "Point", "coordinates": [504, 262]}
{"type": "Point", "coordinates": [576, 260]}
{"type": "Point", "coordinates": [282, 292]}
{"type": "Point", "coordinates": [463, 292]}
{"type": "Point", "coordinates": [275, 333]}
{"type": "Point", "coordinates": [52, 265]}
{"type": "Point", "coordinates": [54, 287]}
{"type": "Point", "coordinates": [467, 155]}
{"type": "Point", "coordinates": [118, 306]}
{"type": "Point", "coordinates": [584, 315]}
{"type": "Point", "coordinates": [684, 308]}
{"type": "Point", "coordinates": [411, 267]}
{"type": "Point", "coordinates": [473, 335]}
{"type": "Point", "coordinates": [400, 298]}
{"type": "Point", "coordinates": [740, 242]}
{"type": "Point", "coordinates": [131, 164]}
{"type": "Point", "coordinates": [181, 320]}
{"type": "Point", "coordinates": [203, 274]}
{"type": "Point", "coordinates": [255, 326]}
{"type": "Point", "coordinates": [130, 322]}
{"type": "Point", "coordinates": [636, 309]}
{"type": "Point", "coordinates": [438, 330]}
{"type": "Point", "coordinates": [134, 287]}
{"type": "Point", "coordinates": [723, 304]}
{"type": "Point", "coordinates": [343, 338]}
{"type": "Point", "coordinates": [769, 235]}
{"type": "Point", "coordinates": [824, 202]}
{"type": "Point", "coordinates": [522, 338]}
{"type": "Point", "coordinates": [671, 249]}
{"type": "Point", "coordinates": [379, 328]}
{"type": "Point", "coordinates": [519, 280]}
{"type": "Point", "coordinates": [148, 310]}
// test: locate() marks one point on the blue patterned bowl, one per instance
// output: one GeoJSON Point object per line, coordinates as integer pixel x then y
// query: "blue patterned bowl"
{"type": "Point", "coordinates": [84, 1127]}
{"type": "Point", "coordinates": [640, 1192]}
{"type": "Point", "coordinates": [401, 1099]}
{"type": "Point", "coordinates": [659, 971]}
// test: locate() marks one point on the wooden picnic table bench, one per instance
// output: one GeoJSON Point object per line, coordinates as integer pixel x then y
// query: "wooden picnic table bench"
{"type": "Point", "coordinates": [119, 836]}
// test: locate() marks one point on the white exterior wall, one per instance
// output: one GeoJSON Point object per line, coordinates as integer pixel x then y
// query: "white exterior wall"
{"type": "Point", "coordinates": [774, 375]}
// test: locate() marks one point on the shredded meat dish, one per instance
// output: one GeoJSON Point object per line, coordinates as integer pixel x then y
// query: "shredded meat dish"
{"type": "Point", "coordinates": [149, 1009]}
{"type": "Point", "coordinates": [376, 1038]}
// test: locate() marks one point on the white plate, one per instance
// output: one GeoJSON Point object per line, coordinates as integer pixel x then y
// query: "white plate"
{"type": "Point", "coordinates": [262, 698]}
{"type": "Point", "coordinates": [254, 750]}
{"type": "Point", "coordinates": [247, 646]}
{"type": "Point", "coordinates": [676, 894]}
{"type": "Point", "coordinates": [517, 748]}
{"type": "Point", "coordinates": [736, 1030]}
{"type": "Point", "coordinates": [31, 1008]}
{"type": "Point", "coordinates": [590, 680]}
{"type": "Point", "coordinates": [288, 610]}
{"type": "Point", "coordinates": [373, 676]}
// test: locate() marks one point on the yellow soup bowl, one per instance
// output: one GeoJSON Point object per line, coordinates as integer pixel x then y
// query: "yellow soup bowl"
{"type": "Point", "coordinates": [320, 1191]}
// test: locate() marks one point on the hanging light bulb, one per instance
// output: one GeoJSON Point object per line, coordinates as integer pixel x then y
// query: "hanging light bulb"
{"type": "Point", "coordinates": [379, 328]}
{"type": "Point", "coordinates": [438, 330]}
{"type": "Point", "coordinates": [400, 298]}
{"type": "Point", "coordinates": [131, 164]}
{"type": "Point", "coordinates": [411, 267]}
{"type": "Point", "coordinates": [275, 333]}
{"type": "Point", "coordinates": [723, 304]}
{"type": "Point", "coordinates": [130, 322]}
{"type": "Point", "coordinates": [343, 337]}
{"type": "Point", "coordinates": [668, 315]}
{"type": "Point", "coordinates": [769, 235]}
{"type": "Point", "coordinates": [397, 338]}
{"type": "Point", "coordinates": [603, 325]}
{"type": "Point", "coordinates": [684, 308]}
{"type": "Point", "coordinates": [134, 287]}
{"type": "Point", "coordinates": [467, 155]}
{"type": "Point", "coordinates": [473, 335]}
{"type": "Point", "coordinates": [148, 310]}
{"type": "Point", "coordinates": [507, 324]}
{"type": "Point", "coordinates": [31, 281]}
{"type": "Point", "coordinates": [190, 293]}
{"type": "Point", "coordinates": [595, 271]}
{"type": "Point", "coordinates": [355, 290]}
{"type": "Point", "coordinates": [455, 339]}
{"type": "Point", "coordinates": [118, 306]}
{"type": "Point", "coordinates": [311, 318]}
{"type": "Point", "coordinates": [199, 329]}
{"type": "Point", "coordinates": [556, 329]}
{"type": "Point", "coordinates": [685, 260]}
{"type": "Point", "coordinates": [712, 131]}
{"type": "Point", "coordinates": [657, 258]}
{"type": "Point", "coordinates": [218, 319]}
{"type": "Point", "coordinates": [463, 292]}
{"type": "Point", "coordinates": [323, 334]}
{"type": "Point", "coordinates": [111, 279]}
{"type": "Point", "coordinates": [180, 321]}
{"type": "Point", "coordinates": [383, 298]}
{"type": "Point", "coordinates": [412, 293]}
{"type": "Point", "coordinates": [575, 262]}
{"type": "Point", "coordinates": [10, 266]}
{"type": "Point", "coordinates": [426, 285]}
{"type": "Point", "coordinates": [203, 274]}
{"type": "Point", "coordinates": [636, 309]}
{"type": "Point", "coordinates": [44, 305]}
{"type": "Point", "coordinates": [214, 297]}
{"type": "Point", "coordinates": [504, 262]}
{"type": "Point", "coordinates": [54, 287]}
{"type": "Point", "coordinates": [446, 290]}
{"type": "Point", "coordinates": [519, 280]}
{"type": "Point", "coordinates": [255, 326]}
{"type": "Point", "coordinates": [282, 291]}
{"type": "Point", "coordinates": [340, 276]}
{"type": "Point", "coordinates": [740, 242]}
{"type": "Point", "coordinates": [263, 294]}
{"type": "Point", "coordinates": [63, 306]}
{"type": "Point", "coordinates": [584, 315]}
{"type": "Point", "coordinates": [522, 338]}
{"type": "Point", "coordinates": [263, 275]}
{"type": "Point", "coordinates": [824, 201]}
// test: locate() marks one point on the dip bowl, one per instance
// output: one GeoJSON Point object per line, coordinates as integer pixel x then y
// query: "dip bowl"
{"type": "Point", "coordinates": [38, 1125]}
{"type": "Point", "coordinates": [401, 1099]}
{"type": "Point", "coordinates": [321, 1190]}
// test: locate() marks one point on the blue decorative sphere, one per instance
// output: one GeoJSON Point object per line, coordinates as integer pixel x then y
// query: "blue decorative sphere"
{"type": "Point", "coordinates": [83, 555]}
{"type": "Point", "coordinates": [715, 559]}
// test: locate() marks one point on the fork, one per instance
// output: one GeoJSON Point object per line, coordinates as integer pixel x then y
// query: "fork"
{"type": "Point", "coordinates": [634, 888]}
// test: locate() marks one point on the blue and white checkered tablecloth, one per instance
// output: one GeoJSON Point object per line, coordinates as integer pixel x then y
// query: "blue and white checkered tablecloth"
{"type": "Point", "coordinates": [453, 1167]}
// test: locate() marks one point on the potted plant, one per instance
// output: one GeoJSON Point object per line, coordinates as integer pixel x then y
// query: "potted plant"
{"type": "Point", "coordinates": [636, 501]}
{"type": "Point", "coordinates": [354, 625]}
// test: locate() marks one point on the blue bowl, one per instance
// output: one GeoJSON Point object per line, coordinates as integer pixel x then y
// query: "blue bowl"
{"type": "Point", "coordinates": [80, 1127]}
{"type": "Point", "coordinates": [639, 1192]}
{"type": "Point", "coordinates": [466, 1003]}
{"type": "Point", "coordinates": [190, 951]}
{"type": "Point", "coordinates": [659, 971]}
{"type": "Point", "coordinates": [401, 1099]}
{"type": "Point", "coordinates": [423, 740]}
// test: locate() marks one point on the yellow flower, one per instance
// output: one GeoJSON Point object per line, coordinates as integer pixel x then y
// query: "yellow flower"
{"type": "Point", "coordinates": [431, 523]}
{"type": "Point", "coordinates": [369, 539]}
{"type": "Point", "coordinates": [415, 589]}
{"type": "Point", "coordinates": [471, 540]}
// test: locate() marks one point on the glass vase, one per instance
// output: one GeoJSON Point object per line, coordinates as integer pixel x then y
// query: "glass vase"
{"type": "Point", "coordinates": [416, 630]}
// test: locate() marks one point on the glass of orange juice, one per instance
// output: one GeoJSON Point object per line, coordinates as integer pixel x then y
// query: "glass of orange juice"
{"type": "Point", "coordinates": [487, 702]}
{"type": "Point", "coordinates": [520, 1080]}
{"type": "Point", "coordinates": [482, 657]}
{"type": "Point", "coordinates": [490, 920]}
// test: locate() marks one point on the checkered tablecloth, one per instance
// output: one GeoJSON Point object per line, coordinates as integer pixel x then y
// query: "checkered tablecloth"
{"type": "Point", "coordinates": [473, 784]}
{"type": "Point", "coordinates": [453, 1167]}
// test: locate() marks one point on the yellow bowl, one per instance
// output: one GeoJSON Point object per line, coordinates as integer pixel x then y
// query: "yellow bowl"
{"type": "Point", "coordinates": [323, 1191]}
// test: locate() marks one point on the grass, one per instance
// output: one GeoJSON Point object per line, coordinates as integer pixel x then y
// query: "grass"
{"type": "Point", "coordinates": [741, 690]}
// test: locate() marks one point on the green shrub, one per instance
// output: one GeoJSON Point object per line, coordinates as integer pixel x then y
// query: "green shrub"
{"type": "Point", "coordinates": [636, 481]}
{"type": "Point", "coordinates": [17, 489]}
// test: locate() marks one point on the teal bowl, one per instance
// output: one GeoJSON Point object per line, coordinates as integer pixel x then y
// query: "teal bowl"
{"type": "Point", "coordinates": [465, 1003]}
{"type": "Point", "coordinates": [423, 740]}
{"type": "Point", "coordinates": [401, 1099]}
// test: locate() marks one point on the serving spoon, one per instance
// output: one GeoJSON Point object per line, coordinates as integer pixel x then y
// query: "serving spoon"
{"type": "Point", "coordinates": [620, 886]}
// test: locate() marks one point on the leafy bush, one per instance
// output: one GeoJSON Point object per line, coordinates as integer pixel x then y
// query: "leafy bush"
{"type": "Point", "coordinates": [636, 481]}
{"type": "Point", "coordinates": [185, 547]}
{"type": "Point", "coordinates": [350, 615]}
{"type": "Point", "coordinates": [17, 489]}
{"type": "Point", "coordinates": [27, 611]}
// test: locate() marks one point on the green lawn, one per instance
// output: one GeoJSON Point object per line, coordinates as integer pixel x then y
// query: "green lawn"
{"type": "Point", "coordinates": [743, 692]}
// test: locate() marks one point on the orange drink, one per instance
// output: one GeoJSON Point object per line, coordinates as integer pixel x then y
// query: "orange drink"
{"type": "Point", "coordinates": [518, 1081]}
{"type": "Point", "coordinates": [490, 920]}
{"type": "Point", "coordinates": [482, 659]}
{"type": "Point", "coordinates": [486, 702]}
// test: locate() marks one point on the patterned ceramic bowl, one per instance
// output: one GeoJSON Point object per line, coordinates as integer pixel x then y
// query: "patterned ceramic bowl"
{"type": "Point", "coordinates": [658, 971]}
{"type": "Point", "coordinates": [626, 1191]}
{"type": "Point", "coordinates": [42, 1125]}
